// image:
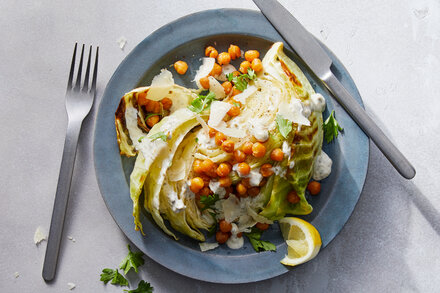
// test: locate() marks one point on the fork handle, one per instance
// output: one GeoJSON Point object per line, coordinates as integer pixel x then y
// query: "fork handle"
{"type": "Point", "coordinates": [61, 199]}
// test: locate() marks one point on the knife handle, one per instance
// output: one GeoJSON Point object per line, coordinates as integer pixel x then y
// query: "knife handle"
{"type": "Point", "coordinates": [396, 158]}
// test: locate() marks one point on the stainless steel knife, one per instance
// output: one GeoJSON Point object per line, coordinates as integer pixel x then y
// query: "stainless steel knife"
{"type": "Point", "coordinates": [307, 47]}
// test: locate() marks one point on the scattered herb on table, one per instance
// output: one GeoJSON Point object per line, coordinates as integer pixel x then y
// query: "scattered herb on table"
{"type": "Point", "coordinates": [114, 276]}
{"type": "Point", "coordinates": [132, 260]}
{"type": "Point", "coordinates": [143, 287]}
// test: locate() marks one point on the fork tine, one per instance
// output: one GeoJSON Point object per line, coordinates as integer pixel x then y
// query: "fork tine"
{"type": "Point", "coordinates": [86, 78]}
{"type": "Point", "coordinates": [78, 77]}
{"type": "Point", "coordinates": [95, 71]}
{"type": "Point", "coordinates": [72, 68]}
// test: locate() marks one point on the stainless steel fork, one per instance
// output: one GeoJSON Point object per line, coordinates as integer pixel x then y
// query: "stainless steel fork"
{"type": "Point", "coordinates": [79, 101]}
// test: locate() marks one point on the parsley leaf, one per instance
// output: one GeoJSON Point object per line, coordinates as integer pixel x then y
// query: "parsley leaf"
{"type": "Point", "coordinates": [331, 128]}
{"type": "Point", "coordinates": [114, 276]}
{"type": "Point", "coordinates": [241, 81]}
{"type": "Point", "coordinates": [230, 76]}
{"type": "Point", "coordinates": [258, 244]}
{"type": "Point", "coordinates": [284, 126]}
{"type": "Point", "coordinates": [202, 103]}
{"type": "Point", "coordinates": [158, 135]}
{"type": "Point", "coordinates": [209, 200]}
{"type": "Point", "coordinates": [133, 260]}
{"type": "Point", "coordinates": [141, 138]}
{"type": "Point", "coordinates": [143, 287]}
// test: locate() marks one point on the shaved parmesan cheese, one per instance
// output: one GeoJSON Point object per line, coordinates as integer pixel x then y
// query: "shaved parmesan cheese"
{"type": "Point", "coordinates": [231, 208]}
{"type": "Point", "coordinates": [71, 286]}
{"type": "Point", "coordinates": [293, 111]}
{"type": "Point", "coordinates": [217, 189]}
{"type": "Point", "coordinates": [216, 88]}
{"type": "Point", "coordinates": [16, 274]}
{"type": "Point", "coordinates": [204, 70]}
{"type": "Point", "coordinates": [161, 85]}
{"type": "Point", "coordinates": [250, 90]}
{"type": "Point", "coordinates": [232, 132]}
{"type": "Point", "coordinates": [226, 69]}
{"type": "Point", "coordinates": [257, 217]}
{"type": "Point", "coordinates": [202, 123]}
{"type": "Point", "coordinates": [204, 246]}
{"type": "Point", "coordinates": [218, 112]}
{"type": "Point", "coordinates": [39, 235]}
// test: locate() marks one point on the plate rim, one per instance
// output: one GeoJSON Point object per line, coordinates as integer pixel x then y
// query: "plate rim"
{"type": "Point", "coordinates": [244, 13]}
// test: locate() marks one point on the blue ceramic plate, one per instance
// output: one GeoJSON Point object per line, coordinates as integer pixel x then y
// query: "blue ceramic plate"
{"type": "Point", "coordinates": [186, 39]}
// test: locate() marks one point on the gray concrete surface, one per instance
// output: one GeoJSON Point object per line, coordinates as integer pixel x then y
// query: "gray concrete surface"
{"type": "Point", "coordinates": [391, 48]}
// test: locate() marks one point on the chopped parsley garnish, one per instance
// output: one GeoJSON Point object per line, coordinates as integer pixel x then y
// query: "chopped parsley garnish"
{"type": "Point", "coordinates": [258, 244]}
{"type": "Point", "coordinates": [284, 126]}
{"type": "Point", "coordinates": [143, 287]}
{"type": "Point", "coordinates": [202, 103]}
{"type": "Point", "coordinates": [331, 128]}
{"type": "Point", "coordinates": [160, 135]}
{"type": "Point", "coordinates": [114, 276]}
{"type": "Point", "coordinates": [133, 260]}
{"type": "Point", "coordinates": [241, 81]}
{"type": "Point", "coordinates": [209, 201]}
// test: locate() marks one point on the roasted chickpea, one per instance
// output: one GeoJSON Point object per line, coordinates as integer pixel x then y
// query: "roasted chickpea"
{"type": "Point", "coordinates": [212, 132]}
{"type": "Point", "coordinates": [142, 98]}
{"type": "Point", "coordinates": [213, 54]}
{"type": "Point", "coordinates": [209, 168]}
{"type": "Point", "coordinates": [227, 87]}
{"type": "Point", "coordinates": [235, 91]}
{"type": "Point", "coordinates": [204, 82]}
{"type": "Point", "coordinates": [240, 234]}
{"type": "Point", "coordinates": [241, 190]}
{"type": "Point", "coordinates": [152, 120]}
{"type": "Point", "coordinates": [181, 67]}
{"type": "Point", "coordinates": [223, 169]}
{"type": "Point", "coordinates": [277, 155]}
{"type": "Point", "coordinates": [236, 73]}
{"type": "Point", "coordinates": [234, 51]}
{"type": "Point", "coordinates": [266, 170]}
{"type": "Point", "coordinates": [205, 191]}
{"type": "Point", "coordinates": [224, 226]}
{"type": "Point", "coordinates": [224, 58]}
{"type": "Point", "coordinates": [258, 150]}
{"type": "Point", "coordinates": [256, 65]}
{"type": "Point", "coordinates": [205, 179]}
{"type": "Point", "coordinates": [228, 146]}
{"type": "Point", "coordinates": [234, 111]}
{"type": "Point", "coordinates": [239, 156]}
{"type": "Point", "coordinates": [254, 191]}
{"type": "Point", "coordinates": [219, 138]}
{"type": "Point", "coordinates": [196, 184]}
{"type": "Point", "coordinates": [153, 107]}
{"type": "Point", "coordinates": [246, 182]}
{"type": "Point", "coordinates": [314, 187]}
{"type": "Point", "coordinates": [208, 50]}
{"type": "Point", "coordinates": [225, 181]}
{"type": "Point", "coordinates": [244, 66]}
{"type": "Point", "coordinates": [250, 55]}
{"type": "Point", "coordinates": [262, 226]}
{"type": "Point", "coordinates": [247, 148]}
{"type": "Point", "coordinates": [216, 70]}
{"type": "Point", "coordinates": [293, 197]}
{"type": "Point", "coordinates": [221, 237]}
{"type": "Point", "coordinates": [243, 169]}
{"type": "Point", "coordinates": [197, 166]}
{"type": "Point", "coordinates": [167, 103]}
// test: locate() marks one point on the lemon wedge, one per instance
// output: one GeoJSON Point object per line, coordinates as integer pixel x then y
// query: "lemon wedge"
{"type": "Point", "coordinates": [303, 241]}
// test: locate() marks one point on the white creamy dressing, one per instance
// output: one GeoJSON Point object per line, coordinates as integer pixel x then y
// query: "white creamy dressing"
{"type": "Point", "coordinates": [177, 204]}
{"type": "Point", "coordinates": [254, 176]}
{"type": "Point", "coordinates": [259, 129]}
{"type": "Point", "coordinates": [205, 141]}
{"type": "Point", "coordinates": [279, 171]}
{"type": "Point", "coordinates": [317, 103]}
{"type": "Point", "coordinates": [215, 187]}
{"type": "Point", "coordinates": [323, 166]}
{"type": "Point", "coordinates": [235, 242]}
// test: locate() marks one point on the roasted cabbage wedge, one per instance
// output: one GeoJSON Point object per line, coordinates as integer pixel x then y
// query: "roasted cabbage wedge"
{"type": "Point", "coordinates": [166, 152]}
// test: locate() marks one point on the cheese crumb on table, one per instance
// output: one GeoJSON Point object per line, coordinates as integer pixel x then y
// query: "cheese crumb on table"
{"type": "Point", "coordinates": [39, 235]}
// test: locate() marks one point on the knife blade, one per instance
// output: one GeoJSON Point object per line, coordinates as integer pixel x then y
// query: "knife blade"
{"type": "Point", "coordinates": [308, 48]}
